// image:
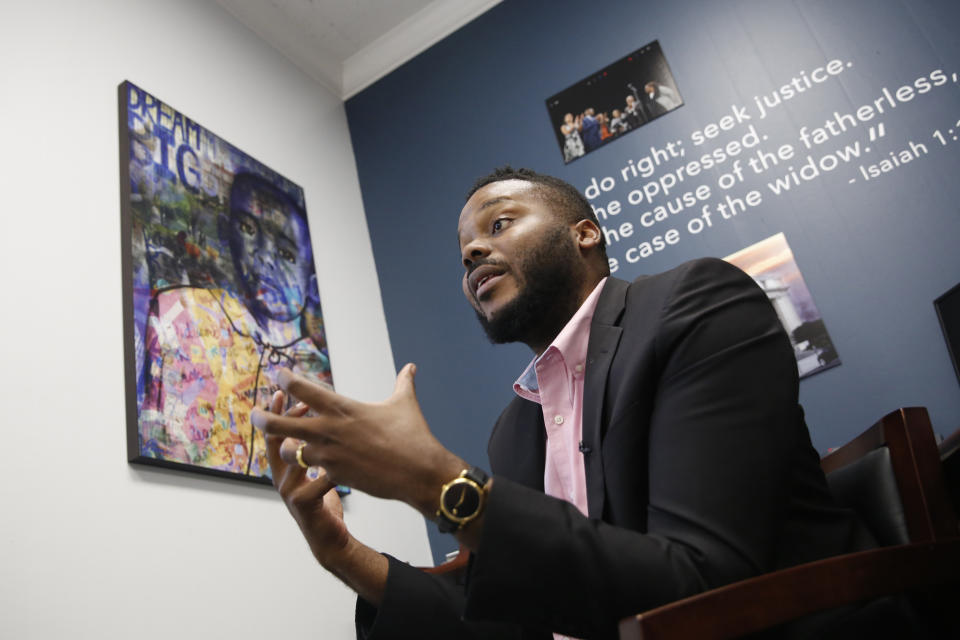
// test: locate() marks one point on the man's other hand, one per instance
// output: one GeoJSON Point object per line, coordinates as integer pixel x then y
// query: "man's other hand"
{"type": "Point", "coordinates": [314, 504]}
{"type": "Point", "coordinates": [385, 449]}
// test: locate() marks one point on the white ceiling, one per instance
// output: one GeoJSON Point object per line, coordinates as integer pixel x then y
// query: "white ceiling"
{"type": "Point", "coordinates": [347, 45]}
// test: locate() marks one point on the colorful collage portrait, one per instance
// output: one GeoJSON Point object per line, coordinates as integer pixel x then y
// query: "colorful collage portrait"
{"type": "Point", "coordinates": [220, 292]}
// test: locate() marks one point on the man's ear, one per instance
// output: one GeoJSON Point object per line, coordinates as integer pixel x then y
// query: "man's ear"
{"type": "Point", "coordinates": [588, 234]}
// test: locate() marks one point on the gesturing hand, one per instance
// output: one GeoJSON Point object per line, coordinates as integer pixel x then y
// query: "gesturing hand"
{"type": "Point", "coordinates": [384, 449]}
{"type": "Point", "coordinates": [314, 504]}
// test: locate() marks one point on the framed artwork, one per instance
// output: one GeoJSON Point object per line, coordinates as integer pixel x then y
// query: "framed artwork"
{"type": "Point", "coordinates": [613, 101]}
{"type": "Point", "coordinates": [219, 292]}
{"type": "Point", "coordinates": [771, 264]}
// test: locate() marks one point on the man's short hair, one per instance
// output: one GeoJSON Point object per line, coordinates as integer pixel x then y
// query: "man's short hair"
{"type": "Point", "coordinates": [564, 199]}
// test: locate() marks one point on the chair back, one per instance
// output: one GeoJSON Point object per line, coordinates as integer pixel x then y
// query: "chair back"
{"type": "Point", "coordinates": [891, 476]}
{"type": "Point", "coordinates": [868, 486]}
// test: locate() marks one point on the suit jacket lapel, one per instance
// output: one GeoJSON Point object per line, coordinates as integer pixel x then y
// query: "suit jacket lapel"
{"type": "Point", "coordinates": [604, 338]}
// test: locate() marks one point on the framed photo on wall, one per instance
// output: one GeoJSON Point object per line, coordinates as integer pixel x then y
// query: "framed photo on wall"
{"type": "Point", "coordinates": [771, 264]}
{"type": "Point", "coordinates": [219, 292]}
{"type": "Point", "coordinates": [613, 101]}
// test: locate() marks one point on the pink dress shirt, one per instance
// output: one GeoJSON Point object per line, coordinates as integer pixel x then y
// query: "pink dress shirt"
{"type": "Point", "coordinates": [555, 382]}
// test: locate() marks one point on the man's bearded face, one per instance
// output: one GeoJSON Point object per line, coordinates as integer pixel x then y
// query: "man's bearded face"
{"type": "Point", "coordinates": [547, 288]}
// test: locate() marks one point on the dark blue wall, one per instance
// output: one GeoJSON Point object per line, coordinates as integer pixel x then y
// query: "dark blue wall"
{"type": "Point", "coordinates": [874, 254]}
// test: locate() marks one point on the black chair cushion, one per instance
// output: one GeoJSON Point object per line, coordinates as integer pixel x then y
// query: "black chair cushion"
{"type": "Point", "coordinates": [869, 487]}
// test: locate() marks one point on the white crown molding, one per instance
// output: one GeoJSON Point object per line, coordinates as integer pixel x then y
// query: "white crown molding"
{"type": "Point", "coordinates": [417, 33]}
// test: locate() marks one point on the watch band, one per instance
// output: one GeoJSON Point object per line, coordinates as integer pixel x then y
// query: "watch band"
{"type": "Point", "coordinates": [462, 499]}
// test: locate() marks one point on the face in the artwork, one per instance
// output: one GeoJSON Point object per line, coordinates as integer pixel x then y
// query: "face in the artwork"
{"type": "Point", "coordinates": [522, 262]}
{"type": "Point", "coordinates": [630, 102]}
{"type": "Point", "coordinates": [271, 249]}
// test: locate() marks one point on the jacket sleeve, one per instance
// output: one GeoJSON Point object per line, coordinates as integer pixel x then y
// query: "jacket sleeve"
{"type": "Point", "coordinates": [423, 606]}
{"type": "Point", "coordinates": [719, 431]}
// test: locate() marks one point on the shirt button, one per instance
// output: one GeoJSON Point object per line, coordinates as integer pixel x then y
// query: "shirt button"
{"type": "Point", "coordinates": [558, 419]}
{"type": "Point", "coordinates": [578, 368]}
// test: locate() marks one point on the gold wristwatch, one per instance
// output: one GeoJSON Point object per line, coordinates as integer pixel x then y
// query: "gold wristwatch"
{"type": "Point", "coordinates": [462, 499]}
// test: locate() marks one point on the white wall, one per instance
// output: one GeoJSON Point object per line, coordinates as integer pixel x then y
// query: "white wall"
{"type": "Point", "coordinates": [91, 547]}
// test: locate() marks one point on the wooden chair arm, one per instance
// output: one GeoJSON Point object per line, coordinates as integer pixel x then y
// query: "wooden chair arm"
{"type": "Point", "coordinates": [768, 600]}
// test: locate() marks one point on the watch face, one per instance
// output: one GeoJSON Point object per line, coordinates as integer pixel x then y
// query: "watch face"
{"type": "Point", "coordinates": [461, 499]}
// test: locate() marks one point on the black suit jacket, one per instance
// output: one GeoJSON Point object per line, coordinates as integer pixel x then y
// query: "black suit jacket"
{"type": "Point", "coordinates": [699, 472]}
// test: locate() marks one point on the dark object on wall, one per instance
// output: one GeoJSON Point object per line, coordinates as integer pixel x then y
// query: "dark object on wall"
{"type": "Point", "coordinates": [617, 99]}
{"type": "Point", "coordinates": [948, 312]}
{"type": "Point", "coordinates": [219, 292]}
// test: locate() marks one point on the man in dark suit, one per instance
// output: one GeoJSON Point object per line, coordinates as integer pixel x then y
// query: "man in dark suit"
{"type": "Point", "coordinates": [655, 449]}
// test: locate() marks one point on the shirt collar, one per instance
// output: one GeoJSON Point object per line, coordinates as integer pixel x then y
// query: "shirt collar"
{"type": "Point", "coordinates": [571, 342]}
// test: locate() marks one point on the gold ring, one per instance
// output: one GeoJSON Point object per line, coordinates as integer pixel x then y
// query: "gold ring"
{"type": "Point", "coordinates": [300, 456]}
